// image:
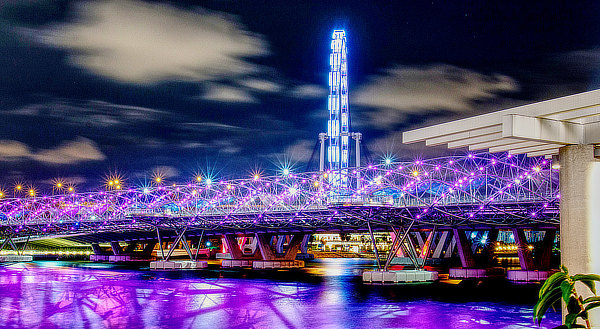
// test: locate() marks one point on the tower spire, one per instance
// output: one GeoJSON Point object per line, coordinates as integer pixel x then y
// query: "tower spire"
{"type": "Point", "coordinates": [338, 126]}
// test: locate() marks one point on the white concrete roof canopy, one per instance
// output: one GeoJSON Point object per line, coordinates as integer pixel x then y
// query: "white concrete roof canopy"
{"type": "Point", "coordinates": [535, 129]}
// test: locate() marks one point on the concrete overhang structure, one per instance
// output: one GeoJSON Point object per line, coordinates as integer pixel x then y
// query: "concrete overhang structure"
{"type": "Point", "coordinates": [534, 129]}
{"type": "Point", "coordinates": [568, 126]}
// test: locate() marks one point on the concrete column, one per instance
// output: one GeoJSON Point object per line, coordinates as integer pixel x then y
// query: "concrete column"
{"type": "Point", "coordinates": [525, 256]}
{"type": "Point", "coordinates": [233, 246]}
{"type": "Point", "coordinates": [450, 249]}
{"type": "Point", "coordinates": [545, 257]}
{"type": "Point", "coordinates": [294, 246]}
{"type": "Point", "coordinates": [440, 245]}
{"type": "Point", "coordinates": [580, 214]}
{"type": "Point", "coordinates": [264, 246]}
{"type": "Point", "coordinates": [279, 244]}
{"type": "Point", "coordinates": [97, 250]}
{"type": "Point", "coordinates": [116, 247]}
{"type": "Point", "coordinates": [304, 245]}
{"type": "Point", "coordinates": [464, 249]}
{"type": "Point", "coordinates": [224, 245]}
{"type": "Point", "coordinates": [420, 240]}
{"type": "Point", "coordinates": [427, 245]}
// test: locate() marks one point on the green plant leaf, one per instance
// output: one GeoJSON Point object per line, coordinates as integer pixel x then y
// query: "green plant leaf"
{"type": "Point", "coordinates": [591, 299]}
{"type": "Point", "coordinates": [567, 289]}
{"type": "Point", "coordinates": [591, 306]}
{"type": "Point", "coordinates": [544, 304]}
{"type": "Point", "coordinates": [553, 281]}
{"type": "Point", "coordinates": [588, 280]}
{"type": "Point", "coordinates": [570, 319]}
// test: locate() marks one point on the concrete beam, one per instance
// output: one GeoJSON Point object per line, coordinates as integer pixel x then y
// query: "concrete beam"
{"type": "Point", "coordinates": [542, 130]}
{"type": "Point", "coordinates": [571, 103]}
{"type": "Point", "coordinates": [475, 140]}
{"type": "Point", "coordinates": [460, 136]}
{"type": "Point", "coordinates": [542, 147]}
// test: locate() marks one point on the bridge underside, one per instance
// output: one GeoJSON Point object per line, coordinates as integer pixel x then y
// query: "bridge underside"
{"type": "Point", "coordinates": [343, 219]}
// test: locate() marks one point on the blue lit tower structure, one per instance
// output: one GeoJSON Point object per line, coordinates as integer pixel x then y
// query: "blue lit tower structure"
{"type": "Point", "coordinates": [338, 125]}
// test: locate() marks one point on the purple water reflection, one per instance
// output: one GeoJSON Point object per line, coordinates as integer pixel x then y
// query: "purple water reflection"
{"type": "Point", "coordinates": [54, 295]}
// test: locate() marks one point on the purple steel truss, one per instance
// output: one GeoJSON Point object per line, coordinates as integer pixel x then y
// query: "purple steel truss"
{"type": "Point", "coordinates": [474, 190]}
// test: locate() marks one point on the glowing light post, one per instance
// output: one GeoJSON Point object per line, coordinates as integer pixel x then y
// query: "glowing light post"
{"type": "Point", "coordinates": [338, 125]}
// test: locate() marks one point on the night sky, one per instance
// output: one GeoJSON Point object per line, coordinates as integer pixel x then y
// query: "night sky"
{"type": "Point", "coordinates": [227, 88]}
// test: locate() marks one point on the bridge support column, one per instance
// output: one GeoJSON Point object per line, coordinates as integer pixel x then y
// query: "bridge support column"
{"type": "Point", "coordinates": [279, 243]}
{"type": "Point", "coordinates": [420, 240]}
{"type": "Point", "coordinates": [233, 246]}
{"type": "Point", "coordinates": [304, 245]}
{"type": "Point", "coordinates": [580, 213]}
{"type": "Point", "coordinates": [265, 248]}
{"type": "Point", "coordinates": [525, 256]}
{"type": "Point", "coordinates": [116, 248]}
{"type": "Point", "coordinates": [545, 257]}
{"type": "Point", "coordinates": [464, 249]}
{"type": "Point", "coordinates": [450, 250]}
{"type": "Point", "coordinates": [440, 245]}
{"type": "Point", "coordinates": [97, 250]}
{"type": "Point", "coordinates": [427, 246]}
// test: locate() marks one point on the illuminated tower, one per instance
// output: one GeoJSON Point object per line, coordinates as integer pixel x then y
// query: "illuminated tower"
{"type": "Point", "coordinates": [338, 125]}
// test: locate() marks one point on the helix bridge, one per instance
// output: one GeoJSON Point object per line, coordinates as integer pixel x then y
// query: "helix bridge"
{"type": "Point", "coordinates": [473, 190]}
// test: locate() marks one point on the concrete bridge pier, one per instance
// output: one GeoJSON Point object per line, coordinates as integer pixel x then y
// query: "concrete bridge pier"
{"type": "Point", "coordinates": [580, 214]}
{"type": "Point", "coordinates": [99, 255]}
{"type": "Point", "coordinates": [269, 253]}
{"type": "Point", "coordinates": [530, 269]}
{"type": "Point", "coordinates": [303, 254]}
{"type": "Point", "coordinates": [165, 264]}
{"type": "Point", "coordinates": [468, 269]}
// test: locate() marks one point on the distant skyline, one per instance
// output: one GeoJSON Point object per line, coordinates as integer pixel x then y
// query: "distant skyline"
{"type": "Point", "coordinates": [89, 89]}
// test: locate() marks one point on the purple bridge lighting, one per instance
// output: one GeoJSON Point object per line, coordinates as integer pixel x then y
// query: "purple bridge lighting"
{"type": "Point", "coordinates": [474, 191]}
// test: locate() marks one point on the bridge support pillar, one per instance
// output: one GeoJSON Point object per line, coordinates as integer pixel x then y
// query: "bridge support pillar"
{"type": "Point", "coordinates": [116, 248]}
{"type": "Point", "coordinates": [232, 246]}
{"type": "Point", "coordinates": [450, 249]}
{"type": "Point", "coordinates": [545, 257]}
{"type": "Point", "coordinates": [440, 245]}
{"type": "Point", "coordinates": [525, 256]}
{"type": "Point", "coordinates": [263, 245]}
{"type": "Point", "coordinates": [580, 213]}
{"type": "Point", "coordinates": [279, 243]}
{"type": "Point", "coordinates": [304, 245]}
{"type": "Point", "coordinates": [97, 250]}
{"type": "Point", "coordinates": [464, 249]}
{"type": "Point", "coordinates": [427, 245]}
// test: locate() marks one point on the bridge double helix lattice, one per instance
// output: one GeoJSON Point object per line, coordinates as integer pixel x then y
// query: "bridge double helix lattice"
{"type": "Point", "coordinates": [499, 190]}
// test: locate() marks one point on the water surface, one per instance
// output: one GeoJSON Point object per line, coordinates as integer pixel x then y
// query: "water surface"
{"type": "Point", "coordinates": [328, 294]}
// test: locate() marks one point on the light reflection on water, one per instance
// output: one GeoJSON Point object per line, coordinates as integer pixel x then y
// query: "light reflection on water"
{"type": "Point", "coordinates": [326, 295]}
